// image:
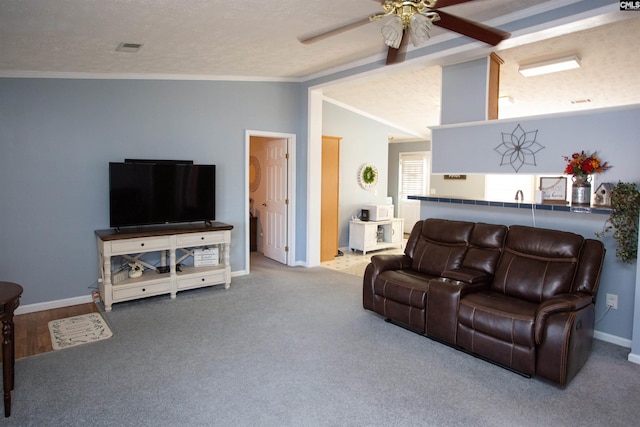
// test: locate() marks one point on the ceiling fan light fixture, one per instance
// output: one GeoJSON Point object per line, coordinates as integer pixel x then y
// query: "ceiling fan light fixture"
{"type": "Point", "coordinates": [550, 66]}
{"type": "Point", "coordinates": [392, 32]}
{"type": "Point", "coordinates": [420, 28]}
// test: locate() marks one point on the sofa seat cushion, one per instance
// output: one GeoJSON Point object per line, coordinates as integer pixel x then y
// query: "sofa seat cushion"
{"type": "Point", "coordinates": [506, 318]}
{"type": "Point", "coordinates": [406, 287]}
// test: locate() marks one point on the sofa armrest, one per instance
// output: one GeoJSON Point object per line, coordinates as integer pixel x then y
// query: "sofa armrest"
{"type": "Point", "coordinates": [378, 264]}
{"type": "Point", "coordinates": [558, 304]}
{"type": "Point", "coordinates": [390, 262]}
{"type": "Point", "coordinates": [466, 275]}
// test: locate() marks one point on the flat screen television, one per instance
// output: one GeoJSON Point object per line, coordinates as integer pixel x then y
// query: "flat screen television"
{"type": "Point", "coordinates": [148, 193]}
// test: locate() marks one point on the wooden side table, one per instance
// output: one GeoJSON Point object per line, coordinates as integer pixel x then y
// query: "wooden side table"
{"type": "Point", "coordinates": [9, 300]}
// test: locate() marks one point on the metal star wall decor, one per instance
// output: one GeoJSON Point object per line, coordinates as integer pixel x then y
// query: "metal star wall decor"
{"type": "Point", "coordinates": [519, 148]}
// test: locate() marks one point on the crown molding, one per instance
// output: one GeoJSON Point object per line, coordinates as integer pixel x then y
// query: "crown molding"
{"type": "Point", "coordinates": [27, 74]}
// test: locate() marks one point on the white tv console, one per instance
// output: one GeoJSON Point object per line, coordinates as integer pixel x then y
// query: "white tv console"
{"type": "Point", "coordinates": [368, 236]}
{"type": "Point", "coordinates": [179, 241]}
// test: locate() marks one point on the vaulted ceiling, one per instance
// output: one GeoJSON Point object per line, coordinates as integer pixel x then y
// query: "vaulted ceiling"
{"type": "Point", "coordinates": [214, 39]}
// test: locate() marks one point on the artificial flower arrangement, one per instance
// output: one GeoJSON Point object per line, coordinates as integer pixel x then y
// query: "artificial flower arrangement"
{"type": "Point", "coordinates": [582, 164]}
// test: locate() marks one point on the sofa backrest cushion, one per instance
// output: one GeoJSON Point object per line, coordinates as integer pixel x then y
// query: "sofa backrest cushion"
{"type": "Point", "coordinates": [588, 274]}
{"type": "Point", "coordinates": [414, 237]}
{"type": "Point", "coordinates": [485, 247]}
{"type": "Point", "coordinates": [440, 245]}
{"type": "Point", "coordinates": [537, 263]}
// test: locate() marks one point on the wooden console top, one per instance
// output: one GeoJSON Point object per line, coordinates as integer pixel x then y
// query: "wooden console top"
{"type": "Point", "coordinates": [159, 230]}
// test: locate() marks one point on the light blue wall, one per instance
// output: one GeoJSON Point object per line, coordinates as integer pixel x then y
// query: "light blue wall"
{"type": "Point", "coordinates": [613, 132]}
{"type": "Point", "coordinates": [57, 137]}
{"type": "Point", "coordinates": [363, 141]}
{"type": "Point", "coordinates": [466, 87]}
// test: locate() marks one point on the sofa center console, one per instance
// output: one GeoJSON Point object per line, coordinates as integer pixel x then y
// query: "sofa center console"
{"type": "Point", "coordinates": [442, 307]}
{"type": "Point", "coordinates": [206, 245]}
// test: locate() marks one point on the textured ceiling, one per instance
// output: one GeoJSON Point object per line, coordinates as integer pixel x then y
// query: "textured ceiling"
{"type": "Point", "coordinates": [218, 39]}
{"type": "Point", "coordinates": [410, 99]}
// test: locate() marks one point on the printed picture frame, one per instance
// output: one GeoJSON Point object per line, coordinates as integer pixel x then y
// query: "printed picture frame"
{"type": "Point", "coordinates": [554, 189]}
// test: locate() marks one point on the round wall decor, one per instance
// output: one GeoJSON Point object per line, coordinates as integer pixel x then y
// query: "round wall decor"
{"type": "Point", "coordinates": [255, 174]}
{"type": "Point", "coordinates": [367, 176]}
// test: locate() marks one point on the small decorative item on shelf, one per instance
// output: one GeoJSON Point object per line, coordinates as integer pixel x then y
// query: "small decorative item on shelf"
{"type": "Point", "coordinates": [581, 166]}
{"type": "Point", "coordinates": [553, 190]}
{"type": "Point", "coordinates": [136, 269]}
{"type": "Point", "coordinates": [603, 195]}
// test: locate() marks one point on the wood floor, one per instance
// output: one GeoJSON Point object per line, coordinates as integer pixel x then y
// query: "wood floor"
{"type": "Point", "coordinates": [32, 329]}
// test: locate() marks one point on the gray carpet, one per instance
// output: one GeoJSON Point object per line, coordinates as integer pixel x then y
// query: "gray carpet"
{"type": "Point", "coordinates": [293, 347]}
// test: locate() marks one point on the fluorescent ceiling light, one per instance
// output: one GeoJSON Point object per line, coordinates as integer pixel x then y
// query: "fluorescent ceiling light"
{"type": "Point", "coordinates": [551, 66]}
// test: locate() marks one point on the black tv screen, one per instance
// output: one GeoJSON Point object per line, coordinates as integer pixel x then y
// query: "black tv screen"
{"type": "Point", "coordinates": [146, 193]}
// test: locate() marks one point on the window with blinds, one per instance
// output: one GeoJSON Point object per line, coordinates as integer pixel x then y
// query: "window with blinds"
{"type": "Point", "coordinates": [414, 174]}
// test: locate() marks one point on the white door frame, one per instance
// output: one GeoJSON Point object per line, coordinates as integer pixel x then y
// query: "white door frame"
{"type": "Point", "coordinates": [314, 176]}
{"type": "Point", "coordinates": [291, 184]}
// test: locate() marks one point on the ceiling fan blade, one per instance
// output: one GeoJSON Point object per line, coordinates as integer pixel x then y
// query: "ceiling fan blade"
{"type": "Point", "coordinates": [446, 3]}
{"type": "Point", "coordinates": [338, 30]}
{"type": "Point", "coordinates": [395, 56]}
{"type": "Point", "coordinates": [472, 29]}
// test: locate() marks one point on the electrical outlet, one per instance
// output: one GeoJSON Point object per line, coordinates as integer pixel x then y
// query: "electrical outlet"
{"type": "Point", "coordinates": [612, 301]}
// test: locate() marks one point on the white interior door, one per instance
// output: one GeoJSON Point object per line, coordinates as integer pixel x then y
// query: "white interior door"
{"type": "Point", "coordinates": [275, 221]}
{"type": "Point", "coordinates": [414, 170]}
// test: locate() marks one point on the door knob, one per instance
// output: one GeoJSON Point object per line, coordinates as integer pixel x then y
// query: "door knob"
{"type": "Point", "coordinates": [264, 204]}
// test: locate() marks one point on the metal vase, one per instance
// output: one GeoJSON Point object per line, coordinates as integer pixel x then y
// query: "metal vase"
{"type": "Point", "coordinates": [581, 191]}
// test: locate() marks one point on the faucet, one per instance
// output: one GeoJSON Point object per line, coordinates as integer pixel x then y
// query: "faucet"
{"type": "Point", "coordinates": [521, 196]}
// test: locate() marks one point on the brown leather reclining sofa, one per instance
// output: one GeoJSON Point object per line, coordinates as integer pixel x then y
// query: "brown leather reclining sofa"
{"type": "Point", "coordinates": [521, 297]}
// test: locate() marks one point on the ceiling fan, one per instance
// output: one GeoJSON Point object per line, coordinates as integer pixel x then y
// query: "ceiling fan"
{"type": "Point", "coordinates": [416, 18]}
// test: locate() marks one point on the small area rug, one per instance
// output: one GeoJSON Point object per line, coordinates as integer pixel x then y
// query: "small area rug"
{"type": "Point", "coordinates": [77, 330]}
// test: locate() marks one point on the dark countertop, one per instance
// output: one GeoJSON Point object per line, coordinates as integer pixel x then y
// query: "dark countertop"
{"type": "Point", "coordinates": [522, 205]}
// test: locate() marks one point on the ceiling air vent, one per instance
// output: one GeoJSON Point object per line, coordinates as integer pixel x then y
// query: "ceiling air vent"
{"type": "Point", "coordinates": [581, 101]}
{"type": "Point", "coordinates": [129, 47]}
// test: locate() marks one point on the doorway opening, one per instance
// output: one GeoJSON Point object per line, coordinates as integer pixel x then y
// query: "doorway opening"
{"type": "Point", "coordinates": [270, 187]}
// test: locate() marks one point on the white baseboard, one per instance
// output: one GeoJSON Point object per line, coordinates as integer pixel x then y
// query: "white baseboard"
{"type": "Point", "coordinates": [32, 308]}
{"type": "Point", "coordinates": [612, 339]}
{"type": "Point", "coordinates": [239, 273]}
{"type": "Point", "coordinates": [634, 358]}
{"type": "Point", "coordinates": [49, 305]}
